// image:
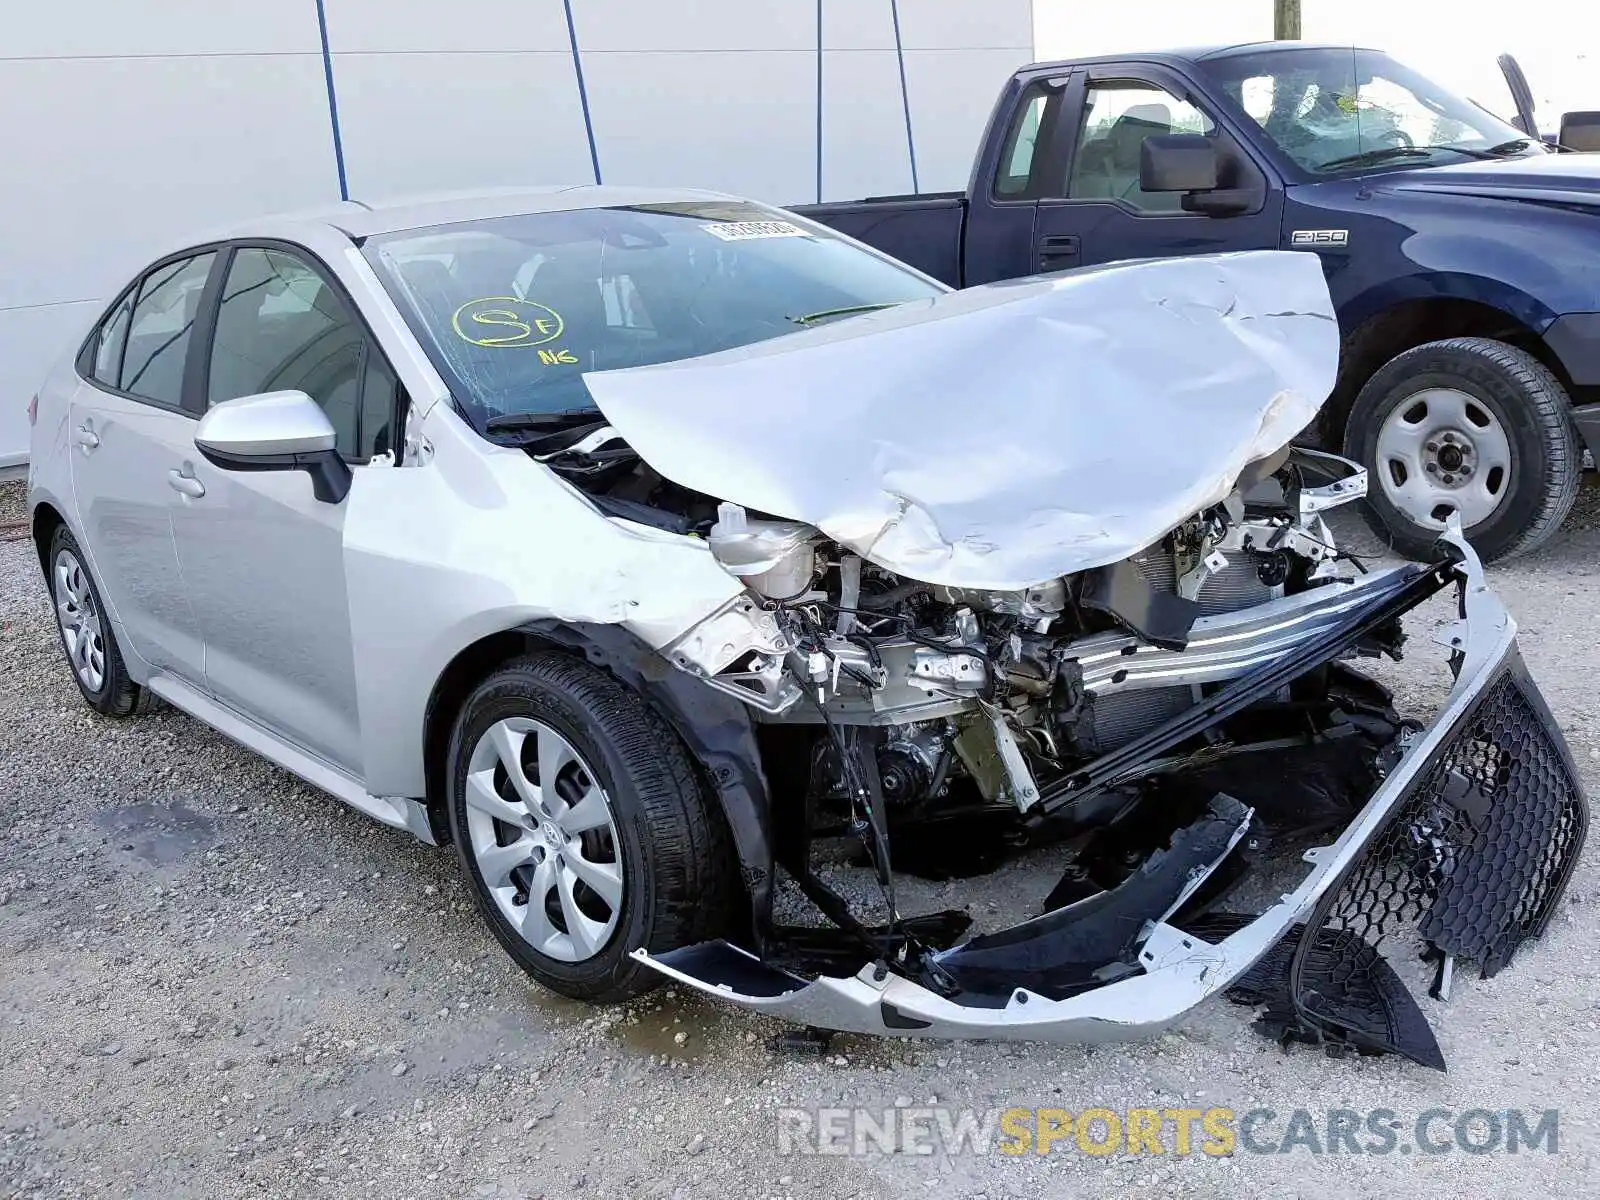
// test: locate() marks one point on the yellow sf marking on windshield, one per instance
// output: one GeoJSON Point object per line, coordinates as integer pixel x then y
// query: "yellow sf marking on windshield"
{"type": "Point", "coordinates": [524, 323]}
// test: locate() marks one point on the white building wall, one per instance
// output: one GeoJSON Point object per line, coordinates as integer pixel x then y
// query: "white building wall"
{"type": "Point", "coordinates": [864, 148]}
{"type": "Point", "coordinates": [718, 94]}
{"type": "Point", "coordinates": [432, 100]}
{"type": "Point", "coordinates": [957, 56]}
{"type": "Point", "coordinates": [129, 125]}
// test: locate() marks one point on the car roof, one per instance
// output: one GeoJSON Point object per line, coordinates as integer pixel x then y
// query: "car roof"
{"type": "Point", "coordinates": [1186, 54]}
{"type": "Point", "coordinates": [358, 219]}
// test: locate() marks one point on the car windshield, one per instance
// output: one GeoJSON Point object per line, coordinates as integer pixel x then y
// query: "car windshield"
{"type": "Point", "coordinates": [1342, 111]}
{"type": "Point", "coordinates": [514, 309]}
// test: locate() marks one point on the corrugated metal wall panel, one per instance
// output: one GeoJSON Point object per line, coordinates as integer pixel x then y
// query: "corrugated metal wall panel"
{"type": "Point", "coordinates": [145, 122]}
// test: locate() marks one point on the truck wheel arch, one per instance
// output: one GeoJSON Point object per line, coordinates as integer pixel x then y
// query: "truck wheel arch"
{"type": "Point", "coordinates": [1413, 321]}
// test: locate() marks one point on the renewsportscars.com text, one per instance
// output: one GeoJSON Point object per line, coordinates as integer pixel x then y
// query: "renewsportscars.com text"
{"type": "Point", "coordinates": [1213, 1132]}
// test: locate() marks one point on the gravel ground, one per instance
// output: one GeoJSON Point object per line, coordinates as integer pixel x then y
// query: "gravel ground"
{"type": "Point", "coordinates": [217, 982]}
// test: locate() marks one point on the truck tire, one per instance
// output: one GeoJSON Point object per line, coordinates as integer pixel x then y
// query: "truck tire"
{"type": "Point", "coordinates": [1469, 426]}
{"type": "Point", "coordinates": [583, 827]}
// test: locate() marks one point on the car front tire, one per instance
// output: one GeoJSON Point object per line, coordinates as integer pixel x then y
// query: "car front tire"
{"type": "Point", "coordinates": [582, 826]}
{"type": "Point", "coordinates": [1472, 427]}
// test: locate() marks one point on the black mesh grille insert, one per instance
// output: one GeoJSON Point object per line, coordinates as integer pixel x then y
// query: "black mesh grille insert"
{"type": "Point", "coordinates": [1475, 856]}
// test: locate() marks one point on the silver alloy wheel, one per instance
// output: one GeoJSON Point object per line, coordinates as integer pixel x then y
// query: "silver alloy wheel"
{"type": "Point", "coordinates": [544, 838]}
{"type": "Point", "coordinates": [79, 617]}
{"type": "Point", "coordinates": [1443, 451]}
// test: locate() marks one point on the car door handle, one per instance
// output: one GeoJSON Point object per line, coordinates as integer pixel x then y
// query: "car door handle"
{"type": "Point", "coordinates": [1056, 247]}
{"type": "Point", "coordinates": [188, 485]}
{"type": "Point", "coordinates": [86, 437]}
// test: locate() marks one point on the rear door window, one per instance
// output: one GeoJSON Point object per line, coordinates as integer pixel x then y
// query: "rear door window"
{"type": "Point", "coordinates": [1018, 156]}
{"type": "Point", "coordinates": [112, 340]}
{"type": "Point", "coordinates": [150, 357]}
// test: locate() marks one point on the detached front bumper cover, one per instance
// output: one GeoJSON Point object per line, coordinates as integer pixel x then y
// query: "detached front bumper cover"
{"type": "Point", "coordinates": [1471, 838]}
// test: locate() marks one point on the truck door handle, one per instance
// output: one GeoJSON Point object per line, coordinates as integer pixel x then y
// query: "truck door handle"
{"type": "Point", "coordinates": [1055, 247]}
{"type": "Point", "coordinates": [188, 485]}
{"type": "Point", "coordinates": [86, 437]}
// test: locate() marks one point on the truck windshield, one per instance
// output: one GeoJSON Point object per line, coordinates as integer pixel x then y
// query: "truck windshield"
{"type": "Point", "coordinates": [513, 310]}
{"type": "Point", "coordinates": [1341, 111]}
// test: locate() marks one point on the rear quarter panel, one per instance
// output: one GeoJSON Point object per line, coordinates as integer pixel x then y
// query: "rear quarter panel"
{"type": "Point", "coordinates": [50, 446]}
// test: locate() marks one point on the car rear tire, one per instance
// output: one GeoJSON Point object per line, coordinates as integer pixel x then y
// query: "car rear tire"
{"type": "Point", "coordinates": [583, 827]}
{"type": "Point", "coordinates": [1471, 426]}
{"type": "Point", "coordinates": [87, 639]}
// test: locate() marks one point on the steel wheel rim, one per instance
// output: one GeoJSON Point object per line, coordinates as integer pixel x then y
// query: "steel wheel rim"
{"type": "Point", "coordinates": [1443, 451]}
{"type": "Point", "coordinates": [544, 838]}
{"type": "Point", "coordinates": [79, 619]}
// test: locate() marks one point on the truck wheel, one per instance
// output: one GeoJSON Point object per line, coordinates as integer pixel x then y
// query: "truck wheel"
{"type": "Point", "coordinates": [582, 826]}
{"type": "Point", "coordinates": [1472, 427]}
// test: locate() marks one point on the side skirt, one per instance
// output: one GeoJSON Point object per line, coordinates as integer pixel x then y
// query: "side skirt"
{"type": "Point", "coordinates": [398, 812]}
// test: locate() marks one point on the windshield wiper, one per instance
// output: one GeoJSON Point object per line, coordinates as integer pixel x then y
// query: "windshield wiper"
{"type": "Point", "coordinates": [848, 311]}
{"type": "Point", "coordinates": [541, 422]}
{"type": "Point", "coordinates": [1511, 147]}
{"type": "Point", "coordinates": [1385, 153]}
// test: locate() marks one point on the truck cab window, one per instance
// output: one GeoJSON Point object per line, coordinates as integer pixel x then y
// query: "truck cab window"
{"type": "Point", "coordinates": [1117, 116]}
{"type": "Point", "coordinates": [1017, 157]}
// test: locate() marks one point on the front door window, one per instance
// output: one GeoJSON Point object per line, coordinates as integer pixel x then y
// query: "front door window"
{"type": "Point", "coordinates": [282, 327]}
{"type": "Point", "coordinates": [1117, 116]}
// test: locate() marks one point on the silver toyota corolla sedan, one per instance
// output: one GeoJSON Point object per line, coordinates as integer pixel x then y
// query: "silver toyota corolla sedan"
{"type": "Point", "coordinates": [637, 543]}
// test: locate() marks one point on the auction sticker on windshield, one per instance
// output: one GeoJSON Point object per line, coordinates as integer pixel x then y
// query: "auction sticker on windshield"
{"type": "Point", "coordinates": [746, 231]}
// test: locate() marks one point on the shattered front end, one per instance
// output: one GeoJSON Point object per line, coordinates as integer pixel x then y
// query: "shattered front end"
{"type": "Point", "coordinates": [1035, 573]}
{"type": "Point", "coordinates": [1461, 853]}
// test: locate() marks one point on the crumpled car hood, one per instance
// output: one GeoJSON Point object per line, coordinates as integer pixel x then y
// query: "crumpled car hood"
{"type": "Point", "coordinates": [1005, 435]}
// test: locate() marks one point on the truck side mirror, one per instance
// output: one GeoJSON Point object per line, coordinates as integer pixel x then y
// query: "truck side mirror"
{"type": "Point", "coordinates": [1190, 163]}
{"type": "Point", "coordinates": [1580, 131]}
{"type": "Point", "coordinates": [1177, 162]}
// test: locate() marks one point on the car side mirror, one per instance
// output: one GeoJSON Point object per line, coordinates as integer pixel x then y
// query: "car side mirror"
{"type": "Point", "coordinates": [1580, 131]}
{"type": "Point", "coordinates": [276, 431]}
{"type": "Point", "coordinates": [1177, 162]}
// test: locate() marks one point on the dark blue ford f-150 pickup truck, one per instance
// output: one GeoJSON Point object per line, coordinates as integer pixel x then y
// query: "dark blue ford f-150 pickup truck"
{"type": "Point", "coordinates": [1463, 257]}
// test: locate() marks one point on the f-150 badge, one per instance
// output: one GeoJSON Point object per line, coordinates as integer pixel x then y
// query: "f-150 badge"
{"type": "Point", "coordinates": [1317, 238]}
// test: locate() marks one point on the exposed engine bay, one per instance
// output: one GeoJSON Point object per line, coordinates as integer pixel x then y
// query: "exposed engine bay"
{"type": "Point", "coordinates": [1143, 655]}
{"type": "Point", "coordinates": [964, 697]}
{"type": "Point", "coordinates": [903, 702]}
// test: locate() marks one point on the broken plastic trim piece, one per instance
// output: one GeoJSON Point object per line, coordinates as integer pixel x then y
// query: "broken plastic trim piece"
{"type": "Point", "coordinates": [1072, 949]}
{"type": "Point", "coordinates": [1179, 968]}
{"type": "Point", "coordinates": [1474, 860]}
{"type": "Point", "coordinates": [1123, 593]}
{"type": "Point", "coordinates": [1358, 988]}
